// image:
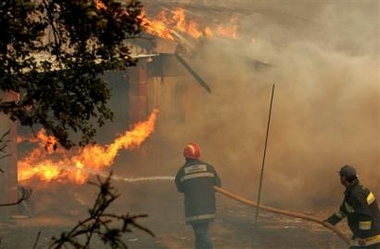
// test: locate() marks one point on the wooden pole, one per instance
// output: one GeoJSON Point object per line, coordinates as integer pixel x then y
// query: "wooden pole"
{"type": "Point", "coordinates": [264, 154]}
{"type": "Point", "coordinates": [263, 166]}
{"type": "Point", "coordinates": [8, 166]}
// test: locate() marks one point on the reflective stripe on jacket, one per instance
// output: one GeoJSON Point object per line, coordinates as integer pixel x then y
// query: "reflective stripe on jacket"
{"type": "Point", "coordinates": [362, 211]}
{"type": "Point", "coordinates": [196, 180]}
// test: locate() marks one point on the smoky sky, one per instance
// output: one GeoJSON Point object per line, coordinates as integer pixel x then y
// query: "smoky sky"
{"type": "Point", "coordinates": [323, 59]}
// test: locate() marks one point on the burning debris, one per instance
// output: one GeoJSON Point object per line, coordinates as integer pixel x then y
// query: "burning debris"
{"type": "Point", "coordinates": [175, 23]}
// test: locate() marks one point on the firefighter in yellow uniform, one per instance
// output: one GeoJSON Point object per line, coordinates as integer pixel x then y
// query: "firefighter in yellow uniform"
{"type": "Point", "coordinates": [361, 209]}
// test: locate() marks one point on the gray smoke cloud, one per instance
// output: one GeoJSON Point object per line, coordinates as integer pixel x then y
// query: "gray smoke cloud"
{"type": "Point", "coordinates": [323, 58]}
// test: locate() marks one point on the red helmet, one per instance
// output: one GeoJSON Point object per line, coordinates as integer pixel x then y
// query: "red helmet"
{"type": "Point", "coordinates": [192, 151]}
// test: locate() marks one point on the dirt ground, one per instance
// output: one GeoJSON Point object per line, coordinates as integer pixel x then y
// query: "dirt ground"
{"type": "Point", "coordinates": [233, 227]}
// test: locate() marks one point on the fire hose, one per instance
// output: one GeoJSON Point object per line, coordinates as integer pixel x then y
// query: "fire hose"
{"type": "Point", "coordinates": [284, 212]}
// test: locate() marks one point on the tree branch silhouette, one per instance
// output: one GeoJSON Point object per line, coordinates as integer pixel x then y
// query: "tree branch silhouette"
{"type": "Point", "coordinates": [106, 226]}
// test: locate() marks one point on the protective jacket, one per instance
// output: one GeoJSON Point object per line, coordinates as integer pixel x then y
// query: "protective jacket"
{"type": "Point", "coordinates": [362, 211]}
{"type": "Point", "coordinates": [195, 179]}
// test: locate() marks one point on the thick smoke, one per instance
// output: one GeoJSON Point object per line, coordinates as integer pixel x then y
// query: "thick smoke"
{"type": "Point", "coordinates": [323, 58]}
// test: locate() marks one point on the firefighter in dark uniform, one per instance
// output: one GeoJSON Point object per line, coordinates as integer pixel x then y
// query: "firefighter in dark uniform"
{"type": "Point", "coordinates": [195, 179]}
{"type": "Point", "coordinates": [361, 209]}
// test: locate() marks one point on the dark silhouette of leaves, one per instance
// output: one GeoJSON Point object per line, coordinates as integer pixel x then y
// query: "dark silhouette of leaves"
{"type": "Point", "coordinates": [108, 227]}
{"type": "Point", "coordinates": [53, 54]}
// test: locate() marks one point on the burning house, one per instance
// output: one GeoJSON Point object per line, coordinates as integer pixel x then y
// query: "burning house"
{"type": "Point", "coordinates": [161, 81]}
{"type": "Point", "coordinates": [200, 77]}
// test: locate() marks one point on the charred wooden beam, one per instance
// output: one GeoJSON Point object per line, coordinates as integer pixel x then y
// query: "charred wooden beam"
{"type": "Point", "coordinates": [201, 82]}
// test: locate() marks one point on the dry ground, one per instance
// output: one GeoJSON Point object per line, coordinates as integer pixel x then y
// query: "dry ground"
{"type": "Point", "coordinates": [233, 228]}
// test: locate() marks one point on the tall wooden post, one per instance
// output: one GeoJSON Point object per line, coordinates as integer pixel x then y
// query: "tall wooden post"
{"type": "Point", "coordinates": [8, 164]}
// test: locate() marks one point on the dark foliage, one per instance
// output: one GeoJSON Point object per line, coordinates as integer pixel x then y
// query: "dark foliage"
{"type": "Point", "coordinates": [3, 147]}
{"type": "Point", "coordinates": [53, 52]}
{"type": "Point", "coordinates": [24, 195]}
{"type": "Point", "coordinates": [107, 227]}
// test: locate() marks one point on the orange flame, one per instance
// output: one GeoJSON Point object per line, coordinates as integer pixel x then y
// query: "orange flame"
{"type": "Point", "coordinates": [166, 23]}
{"type": "Point", "coordinates": [61, 167]}
{"type": "Point", "coordinates": [158, 27]}
{"type": "Point", "coordinates": [229, 29]}
{"type": "Point", "coordinates": [100, 4]}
